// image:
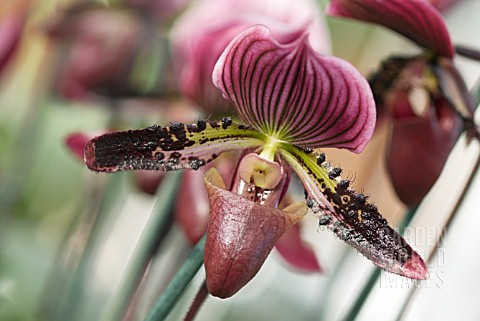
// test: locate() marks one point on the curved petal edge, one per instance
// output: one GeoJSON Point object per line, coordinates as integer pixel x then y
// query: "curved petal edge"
{"type": "Point", "coordinates": [294, 94]}
{"type": "Point", "coordinates": [417, 20]}
{"type": "Point", "coordinates": [240, 236]}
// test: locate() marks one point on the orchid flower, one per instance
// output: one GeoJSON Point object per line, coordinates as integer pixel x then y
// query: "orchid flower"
{"type": "Point", "coordinates": [192, 213]}
{"type": "Point", "coordinates": [292, 101]}
{"type": "Point", "coordinates": [196, 50]}
{"type": "Point", "coordinates": [104, 46]}
{"type": "Point", "coordinates": [424, 95]}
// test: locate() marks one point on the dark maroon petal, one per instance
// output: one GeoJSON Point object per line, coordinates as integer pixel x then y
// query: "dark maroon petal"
{"type": "Point", "coordinates": [297, 252]}
{"type": "Point", "coordinates": [168, 148]}
{"type": "Point", "coordinates": [290, 92]}
{"type": "Point", "coordinates": [350, 217]}
{"type": "Point", "coordinates": [240, 236]}
{"type": "Point", "coordinates": [419, 148]}
{"type": "Point", "coordinates": [417, 20]}
{"type": "Point", "coordinates": [192, 208]}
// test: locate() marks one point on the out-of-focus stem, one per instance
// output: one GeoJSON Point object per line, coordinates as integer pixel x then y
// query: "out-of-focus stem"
{"type": "Point", "coordinates": [468, 52]}
{"type": "Point", "coordinates": [167, 300]}
{"type": "Point", "coordinates": [71, 301]}
{"type": "Point", "coordinates": [154, 231]}
{"type": "Point", "coordinates": [197, 303]}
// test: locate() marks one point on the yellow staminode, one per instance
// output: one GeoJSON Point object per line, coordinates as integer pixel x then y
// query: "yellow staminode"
{"type": "Point", "coordinates": [260, 172]}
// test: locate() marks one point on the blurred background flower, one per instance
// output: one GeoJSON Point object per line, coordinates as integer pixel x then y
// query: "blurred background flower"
{"type": "Point", "coordinates": [202, 32]}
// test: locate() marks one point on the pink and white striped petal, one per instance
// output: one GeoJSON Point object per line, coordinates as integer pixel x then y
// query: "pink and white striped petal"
{"type": "Point", "coordinates": [294, 94]}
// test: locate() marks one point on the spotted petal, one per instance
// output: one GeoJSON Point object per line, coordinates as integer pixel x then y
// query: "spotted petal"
{"type": "Point", "coordinates": [417, 20]}
{"type": "Point", "coordinates": [292, 93]}
{"type": "Point", "coordinates": [168, 148]}
{"type": "Point", "coordinates": [350, 216]}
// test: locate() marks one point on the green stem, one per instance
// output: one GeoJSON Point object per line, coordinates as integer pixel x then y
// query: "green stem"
{"type": "Point", "coordinates": [164, 304]}
{"type": "Point", "coordinates": [155, 228]}
{"type": "Point", "coordinates": [73, 299]}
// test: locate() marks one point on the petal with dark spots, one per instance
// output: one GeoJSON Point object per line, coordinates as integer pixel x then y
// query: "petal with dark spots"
{"type": "Point", "coordinates": [240, 236]}
{"type": "Point", "coordinates": [294, 94]}
{"type": "Point", "coordinates": [417, 20]}
{"type": "Point", "coordinates": [350, 217]}
{"type": "Point", "coordinates": [168, 148]}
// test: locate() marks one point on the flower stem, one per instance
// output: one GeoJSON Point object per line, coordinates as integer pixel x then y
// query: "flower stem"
{"type": "Point", "coordinates": [467, 52]}
{"type": "Point", "coordinates": [67, 309]}
{"type": "Point", "coordinates": [154, 231]}
{"type": "Point", "coordinates": [448, 223]}
{"type": "Point", "coordinates": [197, 303]}
{"type": "Point", "coordinates": [411, 213]}
{"type": "Point", "coordinates": [167, 300]}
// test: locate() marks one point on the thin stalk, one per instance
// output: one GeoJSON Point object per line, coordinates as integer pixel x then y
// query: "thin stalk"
{"type": "Point", "coordinates": [448, 223]}
{"type": "Point", "coordinates": [451, 217]}
{"type": "Point", "coordinates": [70, 306]}
{"type": "Point", "coordinates": [197, 303]}
{"type": "Point", "coordinates": [375, 274]}
{"type": "Point", "coordinates": [167, 300]}
{"type": "Point", "coordinates": [468, 52]}
{"type": "Point", "coordinates": [155, 229]}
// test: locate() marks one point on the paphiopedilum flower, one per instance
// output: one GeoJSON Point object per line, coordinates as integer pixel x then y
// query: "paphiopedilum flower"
{"type": "Point", "coordinates": [292, 101]}
{"type": "Point", "coordinates": [196, 50]}
{"type": "Point", "coordinates": [192, 213]}
{"type": "Point", "coordinates": [103, 47]}
{"type": "Point", "coordinates": [424, 95]}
